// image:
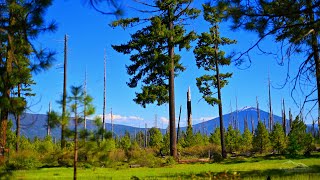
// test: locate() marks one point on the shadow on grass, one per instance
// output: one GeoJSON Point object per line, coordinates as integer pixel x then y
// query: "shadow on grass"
{"type": "Point", "coordinates": [5, 174]}
{"type": "Point", "coordinates": [280, 173]}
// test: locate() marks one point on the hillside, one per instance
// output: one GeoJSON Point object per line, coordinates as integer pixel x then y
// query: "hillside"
{"type": "Point", "coordinates": [33, 125]}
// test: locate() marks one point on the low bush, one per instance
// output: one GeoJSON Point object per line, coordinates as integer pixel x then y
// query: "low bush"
{"type": "Point", "coordinates": [200, 151]}
{"type": "Point", "coordinates": [25, 159]}
{"type": "Point", "coordinates": [216, 157]}
{"type": "Point", "coordinates": [117, 155]}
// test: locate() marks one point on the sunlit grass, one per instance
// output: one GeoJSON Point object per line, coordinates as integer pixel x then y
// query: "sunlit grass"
{"type": "Point", "coordinates": [248, 168]}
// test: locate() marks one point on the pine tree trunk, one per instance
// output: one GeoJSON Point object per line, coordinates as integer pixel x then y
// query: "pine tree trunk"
{"type": "Point", "coordinates": [173, 139]}
{"type": "Point", "coordinates": [223, 148]}
{"type": "Point", "coordinates": [315, 50]}
{"type": "Point", "coordinates": [172, 118]}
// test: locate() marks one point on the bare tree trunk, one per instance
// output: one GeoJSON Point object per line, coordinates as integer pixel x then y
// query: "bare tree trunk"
{"type": "Point", "coordinates": [64, 96]}
{"type": "Point", "coordinates": [85, 107]}
{"type": "Point", "coordinates": [252, 125]}
{"type": "Point", "coordinates": [48, 121]}
{"type": "Point", "coordinates": [189, 110]}
{"type": "Point", "coordinates": [235, 124]}
{"type": "Point", "coordinates": [104, 94]}
{"type": "Point", "coordinates": [270, 106]}
{"type": "Point", "coordinates": [313, 132]}
{"type": "Point", "coordinates": [246, 122]}
{"type": "Point", "coordinates": [290, 120]}
{"type": "Point", "coordinates": [178, 133]}
{"type": "Point", "coordinates": [146, 135]}
{"type": "Point", "coordinates": [258, 110]}
{"type": "Point", "coordinates": [111, 118]}
{"type": "Point", "coordinates": [75, 143]}
{"type": "Point", "coordinates": [284, 118]}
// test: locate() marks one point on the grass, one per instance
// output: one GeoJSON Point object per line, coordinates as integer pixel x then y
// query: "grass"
{"type": "Point", "coordinates": [252, 168]}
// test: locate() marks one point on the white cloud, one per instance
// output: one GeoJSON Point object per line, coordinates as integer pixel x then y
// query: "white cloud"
{"type": "Point", "coordinates": [164, 120]}
{"type": "Point", "coordinates": [205, 118]}
{"type": "Point", "coordinates": [120, 118]}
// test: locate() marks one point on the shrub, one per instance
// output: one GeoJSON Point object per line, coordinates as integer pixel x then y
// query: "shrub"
{"type": "Point", "coordinates": [65, 157]}
{"type": "Point", "coordinates": [216, 157]}
{"type": "Point", "coordinates": [170, 161]}
{"type": "Point", "coordinates": [147, 160]}
{"type": "Point", "coordinates": [200, 151]}
{"type": "Point", "coordinates": [117, 155]}
{"type": "Point", "coordinates": [25, 159]}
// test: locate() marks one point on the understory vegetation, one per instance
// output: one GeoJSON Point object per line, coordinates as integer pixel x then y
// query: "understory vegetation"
{"type": "Point", "coordinates": [138, 150]}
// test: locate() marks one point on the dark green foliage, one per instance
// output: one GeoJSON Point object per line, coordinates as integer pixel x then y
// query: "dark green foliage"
{"type": "Point", "coordinates": [278, 138]}
{"type": "Point", "coordinates": [309, 144]}
{"type": "Point", "coordinates": [189, 138]}
{"type": "Point", "coordinates": [261, 141]}
{"type": "Point", "coordinates": [292, 24]}
{"type": "Point", "coordinates": [246, 141]}
{"type": "Point", "coordinates": [152, 49]}
{"type": "Point", "coordinates": [11, 136]}
{"type": "Point", "coordinates": [114, 7]}
{"type": "Point", "coordinates": [271, 18]}
{"type": "Point", "coordinates": [216, 157]}
{"type": "Point", "coordinates": [233, 139]}
{"type": "Point", "coordinates": [215, 137]}
{"type": "Point", "coordinates": [21, 22]}
{"type": "Point", "coordinates": [53, 119]}
{"type": "Point", "coordinates": [298, 140]}
{"type": "Point", "coordinates": [150, 61]}
{"type": "Point", "coordinates": [209, 56]}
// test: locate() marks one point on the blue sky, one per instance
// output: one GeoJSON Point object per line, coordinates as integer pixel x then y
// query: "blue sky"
{"type": "Point", "coordinates": [89, 34]}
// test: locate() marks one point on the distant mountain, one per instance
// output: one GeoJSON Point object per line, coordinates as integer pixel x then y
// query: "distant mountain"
{"type": "Point", "coordinates": [240, 115]}
{"type": "Point", "coordinates": [246, 112]}
{"type": "Point", "coordinates": [33, 125]}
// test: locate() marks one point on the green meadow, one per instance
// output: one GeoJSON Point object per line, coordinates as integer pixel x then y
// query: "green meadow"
{"type": "Point", "coordinates": [251, 168]}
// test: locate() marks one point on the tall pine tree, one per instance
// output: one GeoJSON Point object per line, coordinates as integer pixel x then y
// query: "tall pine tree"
{"type": "Point", "coordinates": [20, 23]}
{"type": "Point", "coordinates": [152, 48]}
{"type": "Point", "coordinates": [211, 58]}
